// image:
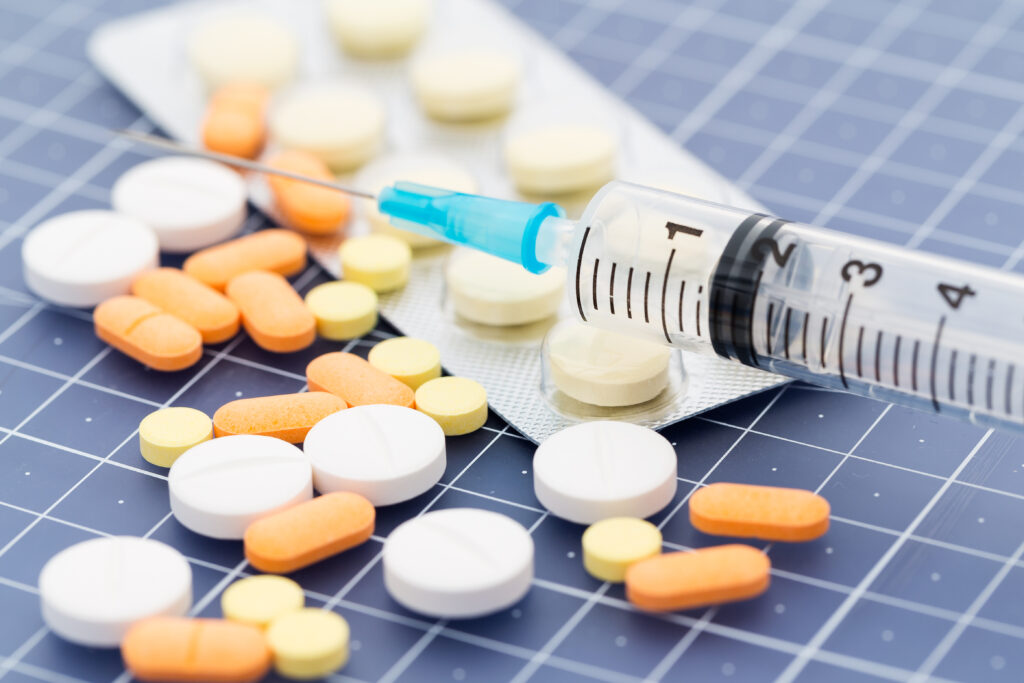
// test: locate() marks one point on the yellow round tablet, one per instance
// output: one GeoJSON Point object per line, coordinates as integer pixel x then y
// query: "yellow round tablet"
{"type": "Point", "coordinates": [258, 600]}
{"type": "Point", "coordinates": [343, 310]}
{"type": "Point", "coordinates": [458, 404]}
{"type": "Point", "coordinates": [611, 545]}
{"type": "Point", "coordinates": [409, 360]}
{"type": "Point", "coordinates": [169, 432]}
{"type": "Point", "coordinates": [381, 262]}
{"type": "Point", "coordinates": [309, 643]}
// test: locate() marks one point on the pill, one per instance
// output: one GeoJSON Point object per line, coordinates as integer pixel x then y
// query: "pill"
{"type": "Point", "coordinates": [708, 576]}
{"type": "Point", "coordinates": [605, 368]}
{"type": "Point", "coordinates": [273, 313]}
{"type": "Point", "coordinates": [342, 125]}
{"type": "Point", "coordinates": [309, 208]}
{"type": "Point", "coordinates": [167, 433]}
{"type": "Point", "coordinates": [409, 360]}
{"type": "Point", "coordinates": [142, 331]}
{"type": "Point", "coordinates": [769, 512]}
{"type": "Point", "coordinates": [92, 591]}
{"type": "Point", "coordinates": [343, 310]}
{"type": "Point", "coordinates": [243, 47]}
{"type": "Point", "coordinates": [458, 563]}
{"type": "Point", "coordinates": [601, 469]}
{"type": "Point", "coordinates": [381, 262]}
{"type": "Point", "coordinates": [389, 454]}
{"type": "Point", "coordinates": [281, 251]}
{"type": "Point", "coordinates": [221, 486]}
{"type": "Point", "coordinates": [304, 534]}
{"type": "Point", "coordinates": [181, 295]}
{"type": "Point", "coordinates": [190, 203]}
{"type": "Point", "coordinates": [308, 644]}
{"type": "Point", "coordinates": [458, 404]}
{"type": "Point", "coordinates": [377, 30]}
{"type": "Point", "coordinates": [83, 257]}
{"type": "Point", "coordinates": [353, 379]}
{"type": "Point", "coordinates": [612, 545]}
{"type": "Point", "coordinates": [559, 159]}
{"type": "Point", "coordinates": [235, 120]}
{"type": "Point", "coordinates": [258, 600]}
{"type": "Point", "coordinates": [178, 649]}
{"type": "Point", "coordinates": [288, 416]}
{"type": "Point", "coordinates": [466, 85]}
{"type": "Point", "coordinates": [492, 291]}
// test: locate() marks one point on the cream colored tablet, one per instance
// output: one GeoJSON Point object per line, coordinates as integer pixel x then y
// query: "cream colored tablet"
{"type": "Point", "coordinates": [561, 158]}
{"type": "Point", "coordinates": [258, 600]}
{"type": "Point", "coordinates": [342, 125]}
{"type": "Point", "coordinates": [605, 368]}
{"type": "Point", "coordinates": [377, 29]}
{"type": "Point", "coordinates": [243, 47]}
{"type": "Point", "coordinates": [343, 310]}
{"type": "Point", "coordinates": [409, 360]}
{"type": "Point", "coordinates": [381, 262]}
{"type": "Point", "coordinates": [468, 85]}
{"type": "Point", "coordinates": [164, 435]}
{"type": "Point", "coordinates": [458, 404]}
{"type": "Point", "coordinates": [492, 291]}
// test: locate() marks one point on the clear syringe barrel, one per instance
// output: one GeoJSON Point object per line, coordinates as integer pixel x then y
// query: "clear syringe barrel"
{"type": "Point", "coordinates": [806, 302]}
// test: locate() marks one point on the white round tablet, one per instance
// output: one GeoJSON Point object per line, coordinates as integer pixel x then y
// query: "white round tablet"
{"type": "Point", "coordinates": [220, 487]}
{"type": "Point", "coordinates": [190, 203]}
{"type": "Point", "coordinates": [93, 591]}
{"type": "Point", "coordinates": [492, 291]}
{"type": "Point", "coordinates": [458, 563]}
{"type": "Point", "coordinates": [84, 257]}
{"type": "Point", "coordinates": [243, 47]}
{"type": "Point", "coordinates": [378, 29]}
{"type": "Point", "coordinates": [386, 453]}
{"type": "Point", "coordinates": [469, 85]}
{"type": "Point", "coordinates": [561, 158]}
{"type": "Point", "coordinates": [596, 470]}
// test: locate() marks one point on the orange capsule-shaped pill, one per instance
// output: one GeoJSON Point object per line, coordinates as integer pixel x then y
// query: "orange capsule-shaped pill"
{"type": "Point", "coordinates": [311, 531]}
{"type": "Point", "coordinates": [288, 416]}
{"type": "Point", "coordinates": [182, 649]}
{"type": "Point", "coordinates": [280, 251]}
{"type": "Point", "coordinates": [235, 120]}
{"type": "Point", "coordinates": [201, 306]}
{"type": "Point", "coordinates": [151, 336]}
{"type": "Point", "coordinates": [273, 313]}
{"type": "Point", "coordinates": [708, 576]}
{"type": "Point", "coordinates": [769, 512]}
{"type": "Point", "coordinates": [306, 207]}
{"type": "Point", "coordinates": [355, 380]}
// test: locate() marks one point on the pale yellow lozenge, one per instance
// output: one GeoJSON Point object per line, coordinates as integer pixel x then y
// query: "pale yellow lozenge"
{"type": "Point", "coordinates": [343, 310]}
{"type": "Point", "coordinates": [258, 600]}
{"type": "Point", "coordinates": [167, 433]}
{"type": "Point", "coordinates": [458, 404]}
{"type": "Point", "coordinates": [409, 360]}
{"type": "Point", "coordinates": [310, 643]}
{"type": "Point", "coordinates": [381, 262]}
{"type": "Point", "coordinates": [611, 545]}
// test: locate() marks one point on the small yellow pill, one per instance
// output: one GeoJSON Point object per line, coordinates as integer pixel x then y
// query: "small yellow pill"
{"type": "Point", "coordinates": [611, 545]}
{"type": "Point", "coordinates": [169, 432]}
{"type": "Point", "coordinates": [258, 600]}
{"type": "Point", "coordinates": [458, 404]}
{"type": "Point", "coordinates": [310, 643]}
{"type": "Point", "coordinates": [343, 310]}
{"type": "Point", "coordinates": [381, 262]}
{"type": "Point", "coordinates": [409, 360]}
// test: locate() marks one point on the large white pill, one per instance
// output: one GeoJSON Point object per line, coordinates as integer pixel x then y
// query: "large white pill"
{"type": "Point", "coordinates": [93, 591]}
{"type": "Point", "coordinates": [378, 29]}
{"type": "Point", "coordinates": [220, 487]}
{"type": "Point", "coordinates": [561, 158]}
{"type": "Point", "coordinates": [243, 47]}
{"type": "Point", "coordinates": [596, 470]}
{"type": "Point", "coordinates": [84, 257]}
{"type": "Point", "coordinates": [467, 85]}
{"type": "Point", "coordinates": [190, 203]}
{"type": "Point", "coordinates": [492, 291]}
{"type": "Point", "coordinates": [386, 453]}
{"type": "Point", "coordinates": [458, 563]}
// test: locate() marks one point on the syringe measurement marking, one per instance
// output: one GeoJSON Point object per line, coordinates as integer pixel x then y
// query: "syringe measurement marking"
{"type": "Point", "coordinates": [750, 317]}
{"type": "Point", "coordinates": [896, 362]}
{"type": "Point", "coordinates": [824, 327]}
{"type": "Point", "coordinates": [700, 291]}
{"type": "Point", "coordinates": [579, 270]}
{"type": "Point", "coordinates": [789, 312]}
{"type": "Point", "coordinates": [807, 320]}
{"type": "Point", "coordinates": [768, 328]}
{"type": "Point", "coordinates": [878, 357]}
{"type": "Point", "coordinates": [1009, 389]}
{"type": "Point", "coordinates": [952, 375]}
{"type": "Point", "coordinates": [611, 290]}
{"type": "Point", "coordinates": [664, 296]}
{"type": "Point", "coordinates": [913, 365]}
{"type": "Point", "coordinates": [860, 344]}
{"type": "Point", "coordinates": [988, 384]}
{"type": "Point", "coordinates": [647, 288]}
{"type": "Point", "coordinates": [597, 264]}
{"type": "Point", "coordinates": [682, 293]}
{"type": "Point", "coordinates": [970, 379]}
{"type": "Point", "coordinates": [629, 294]}
{"type": "Point", "coordinates": [842, 342]}
{"type": "Point", "coordinates": [935, 362]}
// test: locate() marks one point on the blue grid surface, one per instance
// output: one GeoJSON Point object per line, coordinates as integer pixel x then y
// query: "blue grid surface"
{"type": "Point", "coordinates": [897, 121]}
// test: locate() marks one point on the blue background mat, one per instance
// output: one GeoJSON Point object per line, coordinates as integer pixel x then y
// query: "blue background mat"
{"type": "Point", "coordinates": [899, 121]}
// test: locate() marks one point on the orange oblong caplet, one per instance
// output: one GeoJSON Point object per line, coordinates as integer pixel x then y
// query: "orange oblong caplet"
{"type": "Point", "coordinates": [311, 531]}
{"type": "Point", "coordinates": [182, 649]}
{"type": "Point", "coordinates": [151, 336]}
{"type": "Point", "coordinates": [769, 512]}
{"type": "Point", "coordinates": [277, 250]}
{"type": "Point", "coordinates": [287, 416]}
{"type": "Point", "coordinates": [199, 305]}
{"type": "Point", "coordinates": [708, 576]}
{"type": "Point", "coordinates": [355, 380]}
{"type": "Point", "coordinates": [306, 207]}
{"type": "Point", "coordinates": [273, 313]}
{"type": "Point", "coordinates": [235, 120]}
